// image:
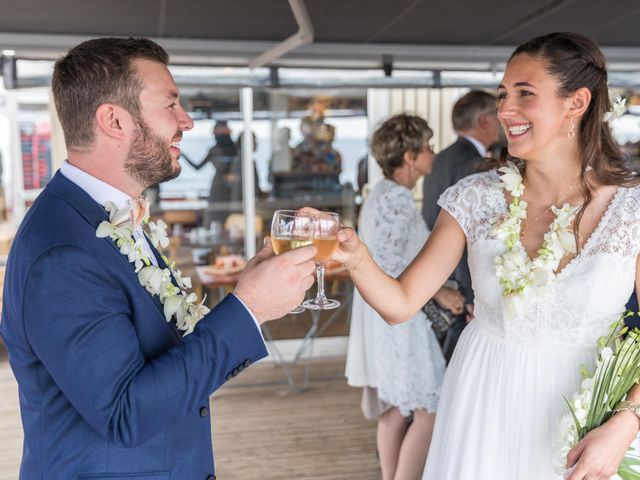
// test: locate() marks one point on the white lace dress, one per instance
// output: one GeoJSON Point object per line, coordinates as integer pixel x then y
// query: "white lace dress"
{"type": "Point", "coordinates": [502, 394]}
{"type": "Point", "coordinates": [404, 362]}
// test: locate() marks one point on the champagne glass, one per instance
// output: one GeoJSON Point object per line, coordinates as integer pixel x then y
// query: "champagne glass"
{"type": "Point", "coordinates": [325, 229]}
{"type": "Point", "coordinates": [290, 230]}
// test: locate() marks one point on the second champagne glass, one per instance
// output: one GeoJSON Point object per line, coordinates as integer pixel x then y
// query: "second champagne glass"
{"type": "Point", "coordinates": [290, 230]}
{"type": "Point", "coordinates": [325, 229]}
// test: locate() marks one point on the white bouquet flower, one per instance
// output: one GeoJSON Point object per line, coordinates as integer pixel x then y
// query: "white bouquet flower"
{"type": "Point", "coordinates": [617, 370]}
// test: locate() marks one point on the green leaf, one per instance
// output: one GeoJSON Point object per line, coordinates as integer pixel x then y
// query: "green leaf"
{"type": "Point", "coordinates": [584, 373]}
{"type": "Point", "coordinates": [575, 419]}
{"type": "Point", "coordinates": [625, 471]}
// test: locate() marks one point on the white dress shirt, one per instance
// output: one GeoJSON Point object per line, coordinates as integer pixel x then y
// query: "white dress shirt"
{"type": "Point", "coordinates": [482, 150]}
{"type": "Point", "coordinates": [102, 193]}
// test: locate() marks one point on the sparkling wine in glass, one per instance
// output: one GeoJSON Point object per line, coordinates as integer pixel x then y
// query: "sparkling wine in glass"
{"type": "Point", "coordinates": [290, 231]}
{"type": "Point", "coordinates": [325, 229]}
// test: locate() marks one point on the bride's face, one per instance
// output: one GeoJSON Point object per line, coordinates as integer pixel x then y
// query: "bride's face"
{"type": "Point", "coordinates": [534, 118]}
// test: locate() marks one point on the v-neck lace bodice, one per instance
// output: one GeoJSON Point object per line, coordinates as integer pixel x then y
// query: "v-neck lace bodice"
{"type": "Point", "coordinates": [586, 295]}
{"type": "Point", "coordinates": [600, 223]}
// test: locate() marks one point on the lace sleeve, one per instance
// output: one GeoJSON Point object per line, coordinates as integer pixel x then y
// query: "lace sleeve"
{"type": "Point", "coordinates": [472, 201]}
{"type": "Point", "coordinates": [393, 217]}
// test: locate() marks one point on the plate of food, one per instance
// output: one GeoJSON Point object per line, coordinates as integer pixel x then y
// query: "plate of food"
{"type": "Point", "coordinates": [225, 265]}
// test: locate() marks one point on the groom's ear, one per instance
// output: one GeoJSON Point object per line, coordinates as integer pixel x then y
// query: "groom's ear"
{"type": "Point", "coordinates": [113, 122]}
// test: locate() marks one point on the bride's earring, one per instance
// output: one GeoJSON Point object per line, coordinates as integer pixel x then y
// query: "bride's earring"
{"type": "Point", "coordinates": [572, 132]}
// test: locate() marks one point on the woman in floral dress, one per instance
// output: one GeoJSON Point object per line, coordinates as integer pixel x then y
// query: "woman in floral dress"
{"type": "Point", "coordinates": [399, 367]}
{"type": "Point", "coordinates": [553, 248]}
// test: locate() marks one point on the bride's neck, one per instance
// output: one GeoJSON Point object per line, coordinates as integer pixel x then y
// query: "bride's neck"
{"type": "Point", "coordinates": [548, 184]}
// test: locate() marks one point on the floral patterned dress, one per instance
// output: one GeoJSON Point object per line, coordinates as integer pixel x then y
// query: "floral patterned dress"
{"type": "Point", "coordinates": [403, 362]}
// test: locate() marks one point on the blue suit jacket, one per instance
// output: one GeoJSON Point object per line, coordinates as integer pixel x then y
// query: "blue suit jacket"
{"type": "Point", "coordinates": [633, 321]}
{"type": "Point", "coordinates": [108, 389]}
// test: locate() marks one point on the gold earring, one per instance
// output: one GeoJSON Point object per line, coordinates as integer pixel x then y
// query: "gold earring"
{"type": "Point", "coordinates": [572, 132]}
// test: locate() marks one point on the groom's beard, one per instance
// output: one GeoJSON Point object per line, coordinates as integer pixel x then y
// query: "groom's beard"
{"type": "Point", "coordinates": [149, 159]}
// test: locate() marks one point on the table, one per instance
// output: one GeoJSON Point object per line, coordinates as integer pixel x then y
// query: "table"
{"type": "Point", "coordinates": [226, 283]}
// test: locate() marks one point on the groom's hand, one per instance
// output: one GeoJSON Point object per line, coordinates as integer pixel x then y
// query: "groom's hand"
{"type": "Point", "coordinates": [270, 286]}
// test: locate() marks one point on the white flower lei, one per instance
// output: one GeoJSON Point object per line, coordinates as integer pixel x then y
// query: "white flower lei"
{"type": "Point", "coordinates": [518, 274]}
{"type": "Point", "coordinates": [157, 281]}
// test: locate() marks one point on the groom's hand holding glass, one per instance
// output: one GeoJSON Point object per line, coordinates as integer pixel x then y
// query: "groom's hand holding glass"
{"type": "Point", "coordinates": [270, 286]}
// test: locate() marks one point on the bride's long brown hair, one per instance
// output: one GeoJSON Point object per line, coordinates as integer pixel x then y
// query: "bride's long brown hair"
{"type": "Point", "coordinates": [576, 61]}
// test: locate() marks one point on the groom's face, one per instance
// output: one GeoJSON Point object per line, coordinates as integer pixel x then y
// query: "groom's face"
{"type": "Point", "coordinates": [154, 150]}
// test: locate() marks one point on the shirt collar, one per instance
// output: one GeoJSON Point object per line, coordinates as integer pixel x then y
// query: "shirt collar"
{"type": "Point", "coordinates": [482, 150]}
{"type": "Point", "coordinates": [100, 191]}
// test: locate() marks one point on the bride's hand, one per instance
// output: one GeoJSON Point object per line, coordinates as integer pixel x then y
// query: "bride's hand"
{"type": "Point", "coordinates": [351, 250]}
{"type": "Point", "coordinates": [598, 455]}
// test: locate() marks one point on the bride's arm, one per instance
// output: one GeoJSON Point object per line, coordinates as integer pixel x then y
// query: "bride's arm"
{"type": "Point", "coordinates": [602, 449]}
{"type": "Point", "coordinates": [397, 300]}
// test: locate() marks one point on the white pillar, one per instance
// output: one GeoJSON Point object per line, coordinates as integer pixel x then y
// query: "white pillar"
{"type": "Point", "coordinates": [378, 108]}
{"type": "Point", "coordinates": [248, 186]}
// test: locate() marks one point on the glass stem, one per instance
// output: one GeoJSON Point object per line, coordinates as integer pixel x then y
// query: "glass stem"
{"type": "Point", "coordinates": [320, 297]}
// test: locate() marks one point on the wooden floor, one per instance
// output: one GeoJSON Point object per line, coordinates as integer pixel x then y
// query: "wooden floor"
{"type": "Point", "coordinates": [261, 431]}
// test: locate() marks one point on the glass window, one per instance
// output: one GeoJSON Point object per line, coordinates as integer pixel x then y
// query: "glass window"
{"type": "Point", "coordinates": [314, 142]}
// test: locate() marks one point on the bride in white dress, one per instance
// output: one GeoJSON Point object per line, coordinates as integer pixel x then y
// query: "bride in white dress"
{"type": "Point", "coordinates": [501, 400]}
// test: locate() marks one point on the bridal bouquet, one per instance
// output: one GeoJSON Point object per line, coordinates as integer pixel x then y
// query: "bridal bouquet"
{"type": "Point", "coordinates": [617, 370]}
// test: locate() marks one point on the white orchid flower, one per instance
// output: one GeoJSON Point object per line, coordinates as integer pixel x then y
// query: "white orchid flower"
{"type": "Point", "coordinates": [181, 314]}
{"type": "Point", "coordinates": [144, 275]}
{"type": "Point", "coordinates": [185, 282]}
{"type": "Point", "coordinates": [617, 110]}
{"type": "Point", "coordinates": [567, 241]}
{"type": "Point", "coordinates": [512, 179]}
{"type": "Point", "coordinates": [156, 280]}
{"type": "Point", "coordinates": [518, 211]}
{"type": "Point", "coordinates": [118, 216]}
{"type": "Point", "coordinates": [158, 234]}
{"type": "Point", "coordinates": [105, 229]}
{"type": "Point", "coordinates": [171, 306]}
{"type": "Point", "coordinates": [564, 215]}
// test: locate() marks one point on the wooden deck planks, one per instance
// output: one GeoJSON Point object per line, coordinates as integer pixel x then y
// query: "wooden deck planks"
{"type": "Point", "coordinates": [261, 431]}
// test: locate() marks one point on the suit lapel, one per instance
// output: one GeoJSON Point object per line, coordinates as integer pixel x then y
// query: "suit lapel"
{"type": "Point", "coordinates": [94, 213]}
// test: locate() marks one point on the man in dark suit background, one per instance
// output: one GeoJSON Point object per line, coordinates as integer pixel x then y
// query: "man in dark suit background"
{"type": "Point", "coordinates": [475, 121]}
{"type": "Point", "coordinates": [109, 387]}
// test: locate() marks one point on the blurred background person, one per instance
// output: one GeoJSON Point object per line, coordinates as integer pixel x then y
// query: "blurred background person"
{"type": "Point", "coordinates": [475, 121]}
{"type": "Point", "coordinates": [237, 193]}
{"type": "Point", "coordinates": [400, 367]}
{"type": "Point", "coordinates": [315, 153]}
{"type": "Point", "coordinates": [225, 159]}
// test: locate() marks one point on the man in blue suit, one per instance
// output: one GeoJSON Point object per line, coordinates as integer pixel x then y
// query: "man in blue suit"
{"type": "Point", "coordinates": [108, 388]}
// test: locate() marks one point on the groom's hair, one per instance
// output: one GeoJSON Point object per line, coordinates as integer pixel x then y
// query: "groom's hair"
{"type": "Point", "coordinates": [95, 72]}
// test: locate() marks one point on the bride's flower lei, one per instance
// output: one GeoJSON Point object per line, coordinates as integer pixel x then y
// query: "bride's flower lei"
{"type": "Point", "coordinates": [157, 281]}
{"type": "Point", "coordinates": [517, 273]}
